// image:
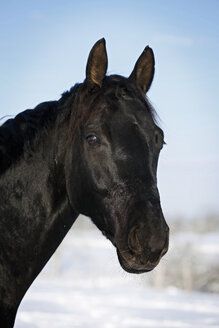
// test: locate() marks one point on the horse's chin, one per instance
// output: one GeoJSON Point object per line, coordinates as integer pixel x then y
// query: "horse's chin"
{"type": "Point", "coordinates": [131, 267]}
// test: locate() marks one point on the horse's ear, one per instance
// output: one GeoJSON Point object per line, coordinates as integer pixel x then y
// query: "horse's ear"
{"type": "Point", "coordinates": [143, 71]}
{"type": "Point", "coordinates": [97, 63]}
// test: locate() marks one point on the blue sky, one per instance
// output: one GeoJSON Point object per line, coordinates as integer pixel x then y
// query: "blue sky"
{"type": "Point", "coordinates": [43, 51]}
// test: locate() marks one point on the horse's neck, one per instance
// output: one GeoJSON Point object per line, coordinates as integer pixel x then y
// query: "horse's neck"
{"type": "Point", "coordinates": [35, 215]}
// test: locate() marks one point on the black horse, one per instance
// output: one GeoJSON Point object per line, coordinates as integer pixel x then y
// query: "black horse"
{"type": "Point", "coordinates": [95, 152]}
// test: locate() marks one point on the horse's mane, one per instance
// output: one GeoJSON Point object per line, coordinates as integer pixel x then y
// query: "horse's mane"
{"type": "Point", "coordinates": [22, 131]}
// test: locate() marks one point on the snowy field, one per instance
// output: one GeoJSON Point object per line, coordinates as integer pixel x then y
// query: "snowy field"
{"type": "Point", "coordinates": [84, 286]}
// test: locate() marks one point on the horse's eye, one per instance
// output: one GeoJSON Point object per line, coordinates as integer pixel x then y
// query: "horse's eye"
{"type": "Point", "coordinates": [92, 140]}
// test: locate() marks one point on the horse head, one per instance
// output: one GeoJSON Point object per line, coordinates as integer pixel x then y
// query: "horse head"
{"type": "Point", "coordinates": [111, 166]}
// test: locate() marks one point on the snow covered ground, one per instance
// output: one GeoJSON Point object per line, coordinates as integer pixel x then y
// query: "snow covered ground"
{"type": "Point", "coordinates": [64, 303]}
{"type": "Point", "coordinates": [84, 286]}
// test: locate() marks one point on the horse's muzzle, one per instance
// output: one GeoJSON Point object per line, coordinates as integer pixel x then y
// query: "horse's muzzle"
{"type": "Point", "coordinates": [139, 256]}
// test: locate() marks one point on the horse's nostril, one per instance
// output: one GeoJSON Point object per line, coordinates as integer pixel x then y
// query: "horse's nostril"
{"type": "Point", "coordinates": [133, 241]}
